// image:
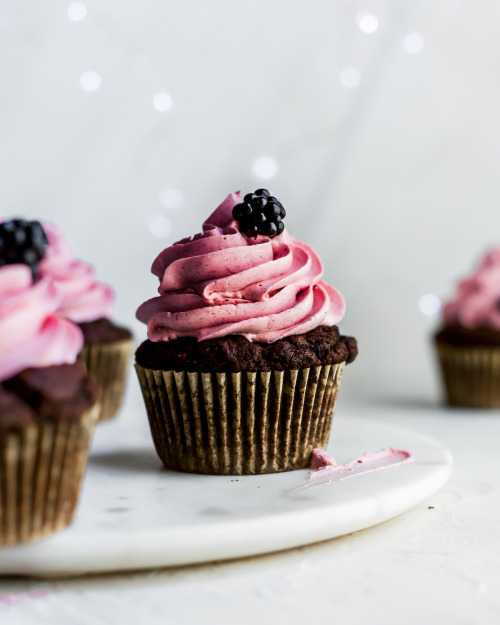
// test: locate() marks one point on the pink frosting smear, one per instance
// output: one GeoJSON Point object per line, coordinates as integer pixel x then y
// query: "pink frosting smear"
{"type": "Point", "coordinates": [82, 297]}
{"type": "Point", "coordinates": [477, 298]}
{"type": "Point", "coordinates": [221, 282]}
{"type": "Point", "coordinates": [31, 334]}
{"type": "Point", "coordinates": [329, 471]}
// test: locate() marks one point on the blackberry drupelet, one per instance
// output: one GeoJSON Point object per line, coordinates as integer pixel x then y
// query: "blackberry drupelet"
{"type": "Point", "coordinates": [22, 241]}
{"type": "Point", "coordinates": [260, 213]}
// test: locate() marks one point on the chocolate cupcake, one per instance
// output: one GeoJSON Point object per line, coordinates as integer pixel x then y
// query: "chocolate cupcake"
{"type": "Point", "coordinates": [88, 303]}
{"type": "Point", "coordinates": [48, 402]}
{"type": "Point", "coordinates": [468, 343]}
{"type": "Point", "coordinates": [243, 360]}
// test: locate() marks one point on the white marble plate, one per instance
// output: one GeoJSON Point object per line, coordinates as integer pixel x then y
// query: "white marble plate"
{"type": "Point", "coordinates": [134, 514]}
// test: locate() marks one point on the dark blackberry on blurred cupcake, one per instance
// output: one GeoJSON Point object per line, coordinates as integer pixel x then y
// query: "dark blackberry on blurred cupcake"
{"type": "Point", "coordinates": [22, 241]}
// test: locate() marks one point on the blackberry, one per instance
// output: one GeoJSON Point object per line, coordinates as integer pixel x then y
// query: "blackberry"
{"type": "Point", "coordinates": [22, 241]}
{"type": "Point", "coordinates": [260, 213]}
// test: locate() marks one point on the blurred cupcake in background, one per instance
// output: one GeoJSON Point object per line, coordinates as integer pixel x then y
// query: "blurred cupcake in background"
{"type": "Point", "coordinates": [48, 401]}
{"type": "Point", "coordinates": [88, 303]}
{"type": "Point", "coordinates": [468, 342]}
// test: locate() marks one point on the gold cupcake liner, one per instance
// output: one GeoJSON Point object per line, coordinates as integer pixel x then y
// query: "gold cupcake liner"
{"type": "Point", "coordinates": [108, 363]}
{"type": "Point", "coordinates": [240, 423]}
{"type": "Point", "coordinates": [41, 472]}
{"type": "Point", "coordinates": [471, 375]}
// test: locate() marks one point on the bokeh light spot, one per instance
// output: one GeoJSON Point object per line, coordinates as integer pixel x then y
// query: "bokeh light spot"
{"type": "Point", "coordinates": [76, 11]}
{"type": "Point", "coordinates": [350, 77]}
{"type": "Point", "coordinates": [429, 304]}
{"type": "Point", "coordinates": [171, 198]}
{"type": "Point", "coordinates": [159, 226]}
{"type": "Point", "coordinates": [265, 167]}
{"type": "Point", "coordinates": [413, 43]}
{"type": "Point", "coordinates": [367, 23]}
{"type": "Point", "coordinates": [162, 102]}
{"type": "Point", "coordinates": [90, 81]}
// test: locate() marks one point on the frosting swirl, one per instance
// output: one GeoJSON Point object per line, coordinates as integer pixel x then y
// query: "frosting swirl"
{"type": "Point", "coordinates": [220, 282]}
{"type": "Point", "coordinates": [477, 299]}
{"type": "Point", "coordinates": [31, 335]}
{"type": "Point", "coordinates": [82, 297]}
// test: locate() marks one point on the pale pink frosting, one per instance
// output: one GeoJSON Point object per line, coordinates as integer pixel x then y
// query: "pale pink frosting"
{"type": "Point", "coordinates": [31, 335]}
{"type": "Point", "coordinates": [477, 298]}
{"type": "Point", "coordinates": [329, 471]}
{"type": "Point", "coordinates": [82, 297]}
{"type": "Point", "coordinates": [221, 282]}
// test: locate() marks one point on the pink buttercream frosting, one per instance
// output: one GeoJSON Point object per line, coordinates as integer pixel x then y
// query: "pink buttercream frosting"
{"type": "Point", "coordinates": [329, 471]}
{"type": "Point", "coordinates": [477, 298]}
{"type": "Point", "coordinates": [221, 282]}
{"type": "Point", "coordinates": [31, 334]}
{"type": "Point", "coordinates": [82, 297]}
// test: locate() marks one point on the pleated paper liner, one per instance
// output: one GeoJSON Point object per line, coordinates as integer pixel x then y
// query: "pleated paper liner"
{"type": "Point", "coordinates": [471, 375]}
{"type": "Point", "coordinates": [108, 363]}
{"type": "Point", "coordinates": [41, 472]}
{"type": "Point", "coordinates": [240, 423]}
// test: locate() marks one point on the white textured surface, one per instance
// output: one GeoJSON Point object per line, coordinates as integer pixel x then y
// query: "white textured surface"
{"type": "Point", "coordinates": [133, 514]}
{"type": "Point", "coordinates": [439, 565]}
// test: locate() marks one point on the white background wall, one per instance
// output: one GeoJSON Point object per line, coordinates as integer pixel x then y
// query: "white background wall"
{"type": "Point", "coordinates": [389, 169]}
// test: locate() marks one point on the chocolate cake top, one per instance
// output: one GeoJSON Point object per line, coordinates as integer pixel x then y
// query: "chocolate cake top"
{"type": "Point", "coordinates": [459, 335]}
{"type": "Point", "coordinates": [103, 331]}
{"type": "Point", "coordinates": [55, 393]}
{"type": "Point", "coordinates": [321, 346]}
{"type": "Point", "coordinates": [14, 413]}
